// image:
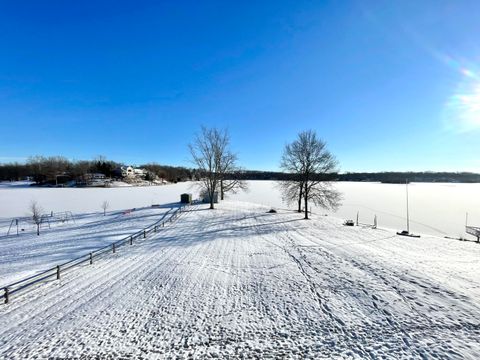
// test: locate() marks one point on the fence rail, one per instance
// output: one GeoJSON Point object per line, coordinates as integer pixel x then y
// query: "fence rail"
{"type": "Point", "coordinates": [473, 230]}
{"type": "Point", "coordinates": [56, 272]}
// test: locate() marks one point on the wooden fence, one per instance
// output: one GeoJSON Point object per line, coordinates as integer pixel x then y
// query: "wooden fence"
{"type": "Point", "coordinates": [473, 230]}
{"type": "Point", "coordinates": [56, 272]}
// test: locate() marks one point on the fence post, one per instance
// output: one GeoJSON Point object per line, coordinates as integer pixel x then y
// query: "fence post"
{"type": "Point", "coordinates": [144, 234]}
{"type": "Point", "coordinates": [131, 240]}
{"type": "Point", "coordinates": [113, 248]}
{"type": "Point", "coordinates": [155, 228]}
{"type": "Point", "coordinates": [58, 272]}
{"type": "Point", "coordinates": [7, 299]}
{"type": "Point", "coordinates": [91, 258]}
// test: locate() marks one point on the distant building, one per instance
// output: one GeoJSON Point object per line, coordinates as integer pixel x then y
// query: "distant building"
{"type": "Point", "coordinates": [93, 179]}
{"type": "Point", "coordinates": [130, 172]}
{"type": "Point", "coordinates": [140, 172]}
{"type": "Point", "coordinates": [124, 171]}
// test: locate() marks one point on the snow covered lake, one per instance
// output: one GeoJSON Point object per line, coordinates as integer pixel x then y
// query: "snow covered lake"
{"type": "Point", "coordinates": [435, 208]}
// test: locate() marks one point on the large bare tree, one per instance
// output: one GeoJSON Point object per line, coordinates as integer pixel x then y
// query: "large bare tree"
{"type": "Point", "coordinates": [309, 163]}
{"type": "Point", "coordinates": [208, 152]}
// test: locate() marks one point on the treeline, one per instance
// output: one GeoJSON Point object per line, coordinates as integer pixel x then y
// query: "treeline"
{"type": "Point", "coordinates": [401, 177]}
{"type": "Point", "coordinates": [384, 177]}
{"type": "Point", "coordinates": [58, 169]}
{"type": "Point", "coordinates": [169, 173]}
{"type": "Point", "coordinates": [275, 175]}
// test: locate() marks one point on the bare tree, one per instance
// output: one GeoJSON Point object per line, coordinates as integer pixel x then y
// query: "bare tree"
{"type": "Point", "coordinates": [208, 151]}
{"type": "Point", "coordinates": [309, 162]}
{"type": "Point", "coordinates": [292, 192]}
{"type": "Point", "coordinates": [36, 213]}
{"type": "Point", "coordinates": [105, 205]}
{"type": "Point", "coordinates": [229, 179]}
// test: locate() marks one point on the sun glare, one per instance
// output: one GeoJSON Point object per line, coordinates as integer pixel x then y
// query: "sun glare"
{"type": "Point", "coordinates": [462, 111]}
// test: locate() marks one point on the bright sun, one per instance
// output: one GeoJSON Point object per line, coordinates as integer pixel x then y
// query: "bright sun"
{"type": "Point", "coordinates": [462, 111]}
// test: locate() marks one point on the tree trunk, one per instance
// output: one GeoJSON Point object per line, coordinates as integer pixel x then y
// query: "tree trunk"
{"type": "Point", "coordinates": [306, 201]}
{"type": "Point", "coordinates": [300, 195]}
{"type": "Point", "coordinates": [212, 193]}
{"type": "Point", "coordinates": [221, 190]}
{"type": "Point", "coordinates": [38, 229]}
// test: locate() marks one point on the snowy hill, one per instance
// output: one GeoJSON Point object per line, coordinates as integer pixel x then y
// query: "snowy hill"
{"type": "Point", "coordinates": [240, 282]}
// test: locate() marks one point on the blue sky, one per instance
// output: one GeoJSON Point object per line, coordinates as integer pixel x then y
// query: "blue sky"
{"type": "Point", "coordinates": [390, 85]}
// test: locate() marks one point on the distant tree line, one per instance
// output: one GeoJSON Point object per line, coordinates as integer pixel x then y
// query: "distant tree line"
{"type": "Point", "coordinates": [384, 177]}
{"type": "Point", "coordinates": [58, 169]}
{"type": "Point", "coordinates": [49, 170]}
{"type": "Point", "coordinates": [401, 177]}
{"type": "Point", "coordinates": [169, 173]}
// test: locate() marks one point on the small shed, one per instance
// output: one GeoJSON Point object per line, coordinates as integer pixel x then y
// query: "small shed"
{"type": "Point", "coordinates": [186, 198]}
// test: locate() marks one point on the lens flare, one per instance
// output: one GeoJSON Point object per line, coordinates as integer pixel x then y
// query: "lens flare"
{"type": "Point", "coordinates": [462, 111]}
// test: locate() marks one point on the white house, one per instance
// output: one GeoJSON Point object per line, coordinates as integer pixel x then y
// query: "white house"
{"type": "Point", "coordinates": [130, 172]}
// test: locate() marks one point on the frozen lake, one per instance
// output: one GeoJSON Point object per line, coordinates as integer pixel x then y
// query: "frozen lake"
{"type": "Point", "coordinates": [435, 208]}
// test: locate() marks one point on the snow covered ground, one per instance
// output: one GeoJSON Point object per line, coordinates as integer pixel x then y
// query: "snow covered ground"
{"type": "Point", "coordinates": [238, 282]}
{"type": "Point", "coordinates": [436, 209]}
{"type": "Point", "coordinates": [28, 254]}
{"type": "Point", "coordinates": [15, 198]}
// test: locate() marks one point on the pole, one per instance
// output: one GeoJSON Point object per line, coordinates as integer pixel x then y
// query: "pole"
{"type": "Point", "coordinates": [58, 272]}
{"type": "Point", "coordinates": [91, 259]}
{"type": "Point", "coordinates": [7, 297]}
{"type": "Point", "coordinates": [357, 217]}
{"type": "Point", "coordinates": [408, 219]}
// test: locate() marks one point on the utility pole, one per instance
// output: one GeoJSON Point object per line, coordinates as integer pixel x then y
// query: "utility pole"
{"type": "Point", "coordinates": [408, 219]}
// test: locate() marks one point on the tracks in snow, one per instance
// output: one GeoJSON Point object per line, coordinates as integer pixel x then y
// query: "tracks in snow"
{"type": "Point", "coordinates": [239, 282]}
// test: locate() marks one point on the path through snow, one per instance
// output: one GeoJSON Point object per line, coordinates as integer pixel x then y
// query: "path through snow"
{"type": "Point", "coordinates": [237, 282]}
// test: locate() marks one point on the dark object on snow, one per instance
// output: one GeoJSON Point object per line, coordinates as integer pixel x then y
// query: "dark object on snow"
{"type": "Point", "coordinates": [272, 211]}
{"type": "Point", "coordinates": [349, 223]}
{"type": "Point", "coordinates": [472, 230]}
{"type": "Point", "coordinates": [406, 233]}
{"type": "Point", "coordinates": [186, 198]}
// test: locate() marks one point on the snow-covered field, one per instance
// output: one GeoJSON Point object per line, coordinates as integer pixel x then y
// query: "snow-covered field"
{"type": "Point", "coordinates": [436, 209]}
{"type": "Point", "coordinates": [238, 282]}
{"type": "Point", "coordinates": [29, 254]}
{"type": "Point", "coordinates": [15, 198]}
